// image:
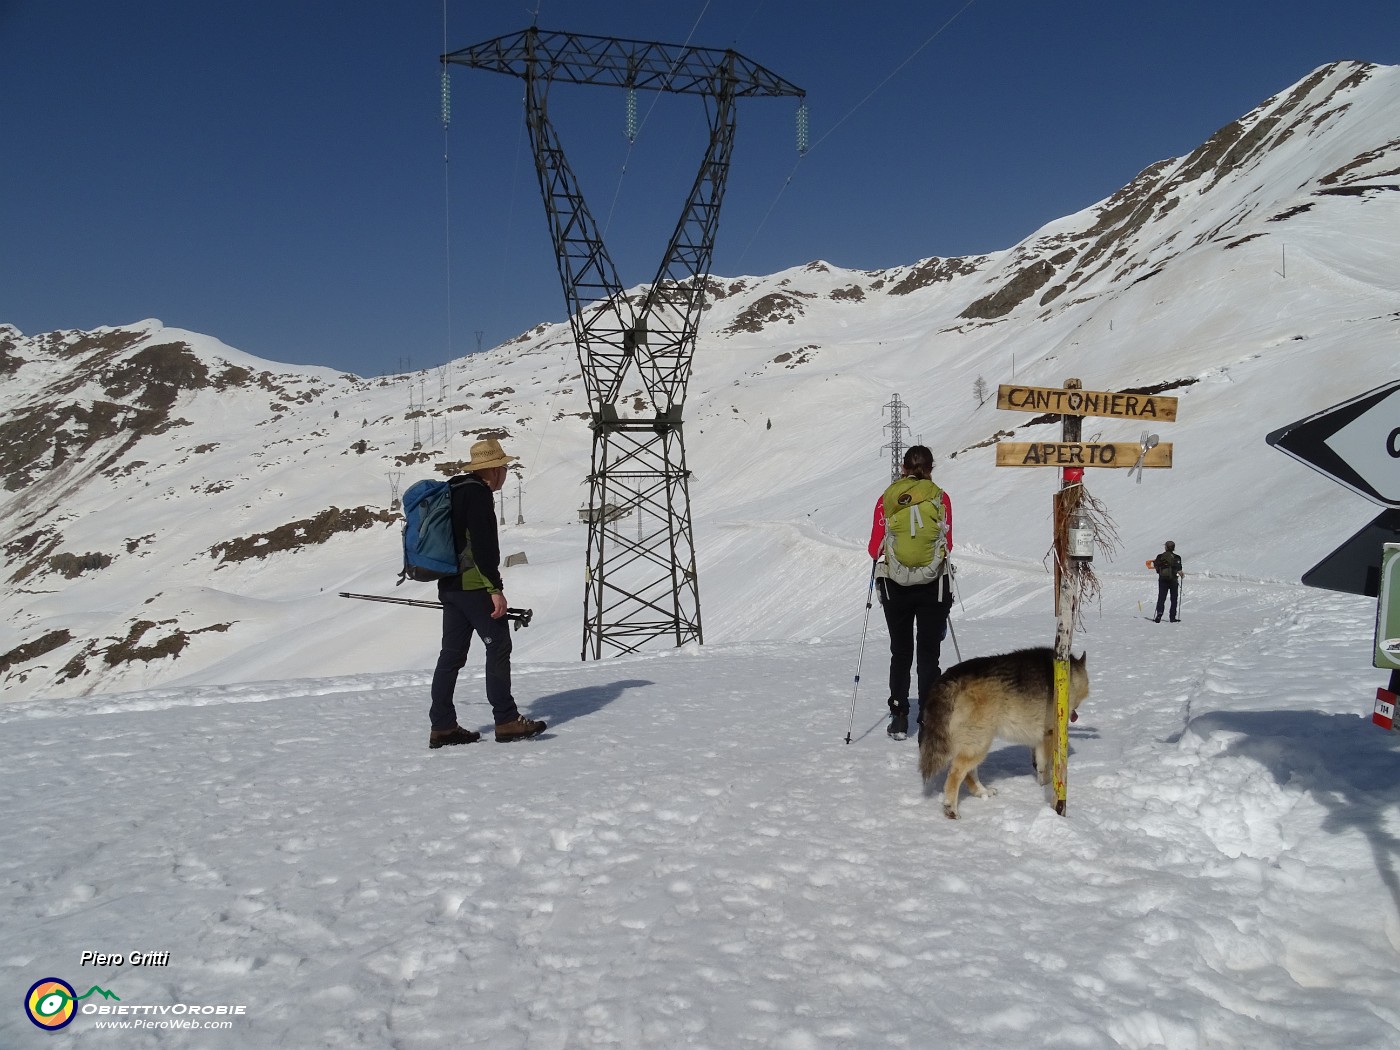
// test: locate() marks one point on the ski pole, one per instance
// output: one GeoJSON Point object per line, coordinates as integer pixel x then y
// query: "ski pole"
{"type": "Point", "coordinates": [954, 635]}
{"type": "Point", "coordinates": [869, 600]}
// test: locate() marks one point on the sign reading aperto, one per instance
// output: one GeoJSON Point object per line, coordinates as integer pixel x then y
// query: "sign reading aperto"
{"type": "Point", "coordinates": [1127, 454]}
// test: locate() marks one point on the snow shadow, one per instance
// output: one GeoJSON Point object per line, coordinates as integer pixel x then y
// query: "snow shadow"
{"type": "Point", "coordinates": [558, 708]}
{"type": "Point", "coordinates": [1346, 763]}
{"type": "Point", "coordinates": [1014, 760]}
{"type": "Point", "coordinates": [1005, 760]}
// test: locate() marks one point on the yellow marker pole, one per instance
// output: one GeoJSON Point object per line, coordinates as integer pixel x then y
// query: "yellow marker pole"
{"type": "Point", "coordinates": [1066, 605]}
{"type": "Point", "coordinates": [1061, 768]}
{"type": "Point", "coordinates": [1064, 633]}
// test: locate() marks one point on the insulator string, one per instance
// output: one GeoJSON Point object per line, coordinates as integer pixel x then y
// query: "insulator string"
{"type": "Point", "coordinates": [634, 128]}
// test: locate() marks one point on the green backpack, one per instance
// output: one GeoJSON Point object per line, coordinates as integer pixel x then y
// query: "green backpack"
{"type": "Point", "coordinates": [916, 533]}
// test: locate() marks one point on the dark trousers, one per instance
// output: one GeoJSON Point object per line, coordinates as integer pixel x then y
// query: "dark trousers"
{"type": "Point", "coordinates": [465, 613]}
{"type": "Point", "coordinates": [922, 611]}
{"type": "Point", "coordinates": [1166, 588]}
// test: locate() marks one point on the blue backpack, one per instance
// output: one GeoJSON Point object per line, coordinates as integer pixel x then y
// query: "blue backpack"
{"type": "Point", "coordinates": [429, 540]}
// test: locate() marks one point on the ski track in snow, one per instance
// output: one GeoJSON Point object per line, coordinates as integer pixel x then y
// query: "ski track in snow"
{"type": "Point", "coordinates": [691, 856]}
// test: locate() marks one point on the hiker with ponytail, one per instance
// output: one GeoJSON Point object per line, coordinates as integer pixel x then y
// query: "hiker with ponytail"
{"type": "Point", "coordinates": [910, 539]}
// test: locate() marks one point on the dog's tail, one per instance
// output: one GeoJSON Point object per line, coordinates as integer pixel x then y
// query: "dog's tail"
{"type": "Point", "coordinates": [935, 746]}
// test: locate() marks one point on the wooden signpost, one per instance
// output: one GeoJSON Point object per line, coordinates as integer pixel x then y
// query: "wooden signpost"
{"type": "Point", "coordinates": [1071, 402]}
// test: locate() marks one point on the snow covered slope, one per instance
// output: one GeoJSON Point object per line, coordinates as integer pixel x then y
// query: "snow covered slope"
{"type": "Point", "coordinates": [177, 511]}
{"type": "Point", "coordinates": [213, 759]}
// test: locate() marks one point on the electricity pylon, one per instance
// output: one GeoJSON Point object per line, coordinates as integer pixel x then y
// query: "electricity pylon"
{"type": "Point", "coordinates": [896, 427]}
{"type": "Point", "coordinates": [647, 588]}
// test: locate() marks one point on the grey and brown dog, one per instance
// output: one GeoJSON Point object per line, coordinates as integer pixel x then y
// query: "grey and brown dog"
{"type": "Point", "coordinates": [1010, 696]}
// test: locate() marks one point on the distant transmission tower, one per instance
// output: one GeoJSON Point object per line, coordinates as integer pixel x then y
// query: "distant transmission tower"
{"type": "Point", "coordinates": [645, 589]}
{"type": "Point", "coordinates": [896, 427]}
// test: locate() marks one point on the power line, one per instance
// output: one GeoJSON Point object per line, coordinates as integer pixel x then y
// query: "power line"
{"type": "Point", "coordinates": [634, 129]}
{"type": "Point", "coordinates": [873, 92]}
{"type": "Point", "coordinates": [447, 182]}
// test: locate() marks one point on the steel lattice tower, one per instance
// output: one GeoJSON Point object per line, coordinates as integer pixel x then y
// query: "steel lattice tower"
{"type": "Point", "coordinates": [896, 427]}
{"type": "Point", "coordinates": [648, 587]}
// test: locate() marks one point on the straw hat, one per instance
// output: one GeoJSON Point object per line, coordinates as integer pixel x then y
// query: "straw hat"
{"type": "Point", "coordinates": [487, 453]}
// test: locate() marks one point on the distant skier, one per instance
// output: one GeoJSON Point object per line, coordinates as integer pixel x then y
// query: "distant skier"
{"type": "Point", "coordinates": [1168, 566]}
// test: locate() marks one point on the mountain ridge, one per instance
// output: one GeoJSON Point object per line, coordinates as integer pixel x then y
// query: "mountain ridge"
{"type": "Point", "coordinates": [171, 505]}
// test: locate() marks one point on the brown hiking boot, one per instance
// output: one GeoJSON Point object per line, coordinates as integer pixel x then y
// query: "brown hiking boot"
{"type": "Point", "coordinates": [455, 735]}
{"type": "Point", "coordinates": [522, 728]}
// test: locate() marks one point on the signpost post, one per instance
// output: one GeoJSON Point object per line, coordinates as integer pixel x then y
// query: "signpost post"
{"type": "Point", "coordinates": [1071, 402]}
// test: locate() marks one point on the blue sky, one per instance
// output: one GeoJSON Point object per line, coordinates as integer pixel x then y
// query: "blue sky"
{"type": "Point", "coordinates": [275, 173]}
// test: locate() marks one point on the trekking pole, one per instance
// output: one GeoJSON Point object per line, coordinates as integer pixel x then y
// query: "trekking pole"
{"type": "Point", "coordinates": [518, 618]}
{"type": "Point", "coordinates": [953, 575]}
{"type": "Point", "coordinates": [869, 600]}
{"type": "Point", "coordinates": [392, 601]}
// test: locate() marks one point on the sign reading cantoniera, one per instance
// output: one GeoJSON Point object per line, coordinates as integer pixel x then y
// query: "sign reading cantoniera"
{"type": "Point", "coordinates": [1072, 402]}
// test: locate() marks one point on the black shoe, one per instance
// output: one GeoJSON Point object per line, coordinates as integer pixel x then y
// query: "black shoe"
{"type": "Point", "coordinates": [521, 729]}
{"type": "Point", "coordinates": [1157, 620]}
{"type": "Point", "coordinates": [455, 735]}
{"type": "Point", "coordinates": [899, 720]}
{"type": "Point", "coordinates": [1176, 619]}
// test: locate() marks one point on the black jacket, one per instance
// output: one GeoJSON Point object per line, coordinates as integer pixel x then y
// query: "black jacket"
{"type": "Point", "coordinates": [474, 518]}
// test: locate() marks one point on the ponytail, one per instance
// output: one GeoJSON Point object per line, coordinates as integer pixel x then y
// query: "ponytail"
{"type": "Point", "coordinates": [918, 462]}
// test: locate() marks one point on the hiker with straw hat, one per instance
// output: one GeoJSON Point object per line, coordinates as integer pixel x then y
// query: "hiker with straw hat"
{"type": "Point", "coordinates": [475, 603]}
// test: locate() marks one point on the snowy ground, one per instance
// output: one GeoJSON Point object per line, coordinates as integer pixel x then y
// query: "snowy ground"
{"type": "Point", "coordinates": [693, 857]}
